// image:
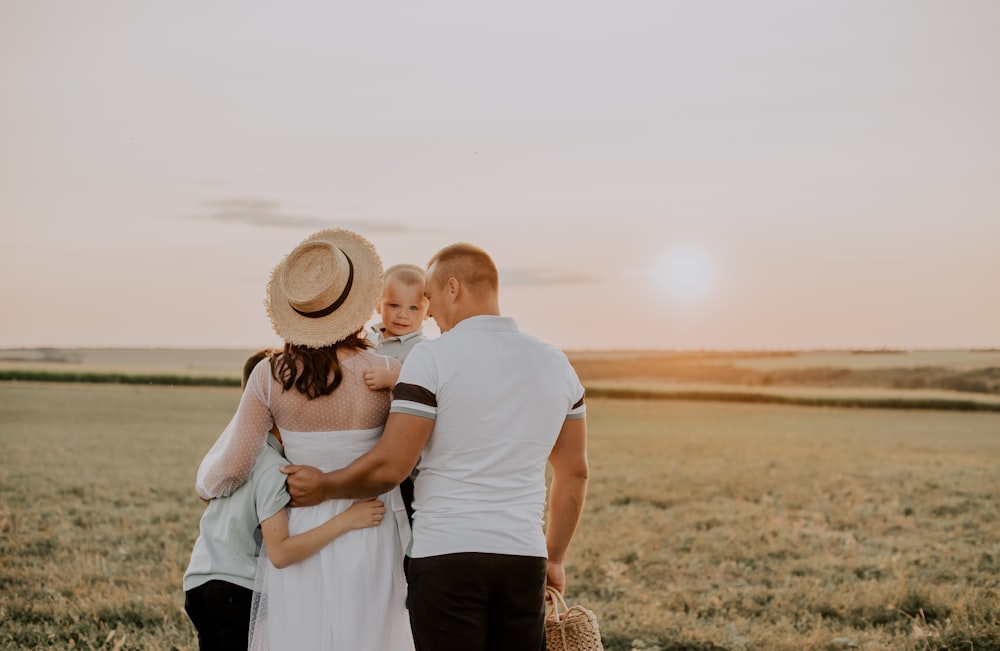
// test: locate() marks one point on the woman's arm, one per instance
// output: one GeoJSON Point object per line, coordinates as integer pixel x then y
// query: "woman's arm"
{"type": "Point", "coordinates": [229, 462]}
{"type": "Point", "coordinates": [283, 550]}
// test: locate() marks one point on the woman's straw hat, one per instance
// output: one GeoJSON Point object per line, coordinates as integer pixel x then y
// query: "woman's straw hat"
{"type": "Point", "coordinates": [325, 289]}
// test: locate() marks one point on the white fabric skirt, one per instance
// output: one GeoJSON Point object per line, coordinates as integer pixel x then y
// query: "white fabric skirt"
{"type": "Point", "coordinates": [348, 597]}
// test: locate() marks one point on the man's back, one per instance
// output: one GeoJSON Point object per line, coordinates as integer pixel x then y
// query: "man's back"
{"type": "Point", "coordinates": [499, 400]}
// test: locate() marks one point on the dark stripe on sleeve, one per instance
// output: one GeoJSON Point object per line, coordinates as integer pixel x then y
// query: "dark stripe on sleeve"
{"type": "Point", "coordinates": [579, 403]}
{"type": "Point", "coordinates": [414, 393]}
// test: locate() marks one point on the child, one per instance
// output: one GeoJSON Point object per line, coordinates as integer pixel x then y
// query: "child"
{"type": "Point", "coordinates": [404, 309]}
{"type": "Point", "coordinates": [218, 584]}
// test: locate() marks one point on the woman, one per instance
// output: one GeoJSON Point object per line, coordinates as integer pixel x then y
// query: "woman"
{"type": "Point", "coordinates": [351, 594]}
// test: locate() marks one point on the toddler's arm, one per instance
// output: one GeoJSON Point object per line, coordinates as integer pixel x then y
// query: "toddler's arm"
{"type": "Point", "coordinates": [283, 550]}
{"type": "Point", "coordinates": [379, 377]}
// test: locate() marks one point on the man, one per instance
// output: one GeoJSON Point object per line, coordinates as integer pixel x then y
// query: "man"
{"type": "Point", "coordinates": [483, 407]}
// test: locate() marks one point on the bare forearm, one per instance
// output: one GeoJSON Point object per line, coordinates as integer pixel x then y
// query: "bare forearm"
{"type": "Point", "coordinates": [308, 486]}
{"type": "Point", "coordinates": [384, 466]}
{"type": "Point", "coordinates": [293, 549]}
{"type": "Point", "coordinates": [374, 473]}
{"type": "Point", "coordinates": [566, 499]}
{"type": "Point", "coordinates": [359, 481]}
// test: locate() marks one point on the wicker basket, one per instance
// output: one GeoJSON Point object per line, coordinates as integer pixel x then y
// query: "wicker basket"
{"type": "Point", "coordinates": [570, 629]}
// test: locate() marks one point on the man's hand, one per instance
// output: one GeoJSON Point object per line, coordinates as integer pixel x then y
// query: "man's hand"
{"type": "Point", "coordinates": [305, 485]}
{"type": "Point", "coordinates": [555, 576]}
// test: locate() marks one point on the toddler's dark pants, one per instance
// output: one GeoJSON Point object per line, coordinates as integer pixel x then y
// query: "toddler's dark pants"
{"type": "Point", "coordinates": [220, 611]}
{"type": "Point", "coordinates": [406, 492]}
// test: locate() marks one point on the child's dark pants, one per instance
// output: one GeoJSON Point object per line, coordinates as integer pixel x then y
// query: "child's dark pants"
{"type": "Point", "coordinates": [220, 611]}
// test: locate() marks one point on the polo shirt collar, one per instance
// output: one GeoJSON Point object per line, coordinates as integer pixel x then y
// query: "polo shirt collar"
{"type": "Point", "coordinates": [487, 322]}
{"type": "Point", "coordinates": [402, 338]}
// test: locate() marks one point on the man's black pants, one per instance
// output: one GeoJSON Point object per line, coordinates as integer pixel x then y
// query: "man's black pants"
{"type": "Point", "coordinates": [473, 602]}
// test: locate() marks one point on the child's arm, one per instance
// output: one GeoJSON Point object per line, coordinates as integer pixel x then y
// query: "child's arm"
{"type": "Point", "coordinates": [283, 550]}
{"type": "Point", "coordinates": [381, 378]}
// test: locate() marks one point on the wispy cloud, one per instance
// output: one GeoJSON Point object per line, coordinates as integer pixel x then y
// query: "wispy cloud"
{"type": "Point", "coordinates": [528, 276]}
{"type": "Point", "coordinates": [266, 213]}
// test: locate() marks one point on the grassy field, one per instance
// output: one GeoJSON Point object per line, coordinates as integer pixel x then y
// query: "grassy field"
{"type": "Point", "coordinates": [758, 527]}
{"type": "Point", "coordinates": [950, 379]}
{"type": "Point", "coordinates": [957, 375]}
{"type": "Point", "coordinates": [708, 526]}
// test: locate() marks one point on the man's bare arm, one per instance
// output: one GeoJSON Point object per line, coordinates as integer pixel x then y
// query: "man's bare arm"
{"type": "Point", "coordinates": [570, 474]}
{"type": "Point", "coordinates": [374, 473]}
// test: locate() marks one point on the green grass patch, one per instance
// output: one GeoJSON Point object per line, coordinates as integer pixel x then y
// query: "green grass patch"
{"type": "Point", "coordinates": [89, 377]}
{"type": "Point", "coordinates": [627, 393]}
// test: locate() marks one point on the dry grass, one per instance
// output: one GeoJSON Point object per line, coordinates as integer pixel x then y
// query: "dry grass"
{"type": "Point", "coordinates": [708, 526]}
{"type": "Point", "coordinates": [653, 368]}
{"type": "Point", "coordinates": [762, 527]}
{"type": "Point", "coordinates": [857, 360]}
{"type": "Point", "coordinates": [861, 394]}
{"type": "Point", "coordinates": [955, 374]}
{"type": "Point", "coordinates": [99, 513]}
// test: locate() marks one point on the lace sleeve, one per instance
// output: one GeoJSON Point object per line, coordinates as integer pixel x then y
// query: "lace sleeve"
{"type": "Point", "coordinates": [229, 462]}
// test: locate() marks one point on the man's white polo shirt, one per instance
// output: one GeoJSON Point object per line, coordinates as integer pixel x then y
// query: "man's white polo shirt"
{"type": "Point", "coordinates": [499, 398]}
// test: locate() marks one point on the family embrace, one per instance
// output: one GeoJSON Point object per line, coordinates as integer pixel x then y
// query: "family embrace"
{"type": "Point", "coordinates": [332, 426]}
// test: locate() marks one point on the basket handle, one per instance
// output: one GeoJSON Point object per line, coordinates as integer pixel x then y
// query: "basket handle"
{"type": "Point", "coordinates": [557, 600]}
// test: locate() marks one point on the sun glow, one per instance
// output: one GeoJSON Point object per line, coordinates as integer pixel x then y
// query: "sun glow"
{"type": "Point", "coordinates": [685, 274]}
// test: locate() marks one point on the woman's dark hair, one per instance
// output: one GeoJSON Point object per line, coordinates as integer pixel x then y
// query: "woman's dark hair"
{"type": "Point", "coordinates": [308, 369]}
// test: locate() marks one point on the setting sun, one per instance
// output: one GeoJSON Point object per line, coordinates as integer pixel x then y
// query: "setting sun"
{"type": "Point", "coordinates": [686, 274]}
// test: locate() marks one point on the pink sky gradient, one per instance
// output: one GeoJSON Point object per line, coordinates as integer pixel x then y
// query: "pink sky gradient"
{"type": "Point", "coordinates": [647, 175]}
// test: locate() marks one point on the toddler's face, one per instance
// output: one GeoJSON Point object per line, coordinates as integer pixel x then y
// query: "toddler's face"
{"type": "Point", "coordinates": [403, 308]}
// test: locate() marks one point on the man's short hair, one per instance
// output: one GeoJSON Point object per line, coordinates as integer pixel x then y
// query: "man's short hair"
{"type": "Point", "coordinates": [467, 263]}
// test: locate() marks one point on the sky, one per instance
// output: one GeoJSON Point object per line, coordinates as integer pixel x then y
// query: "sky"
{"type": "Point", "coordinates": [672, 175]}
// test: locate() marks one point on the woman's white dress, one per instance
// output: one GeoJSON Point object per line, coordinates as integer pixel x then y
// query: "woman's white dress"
{"type": "Point", "coordinates": [351, 595]}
